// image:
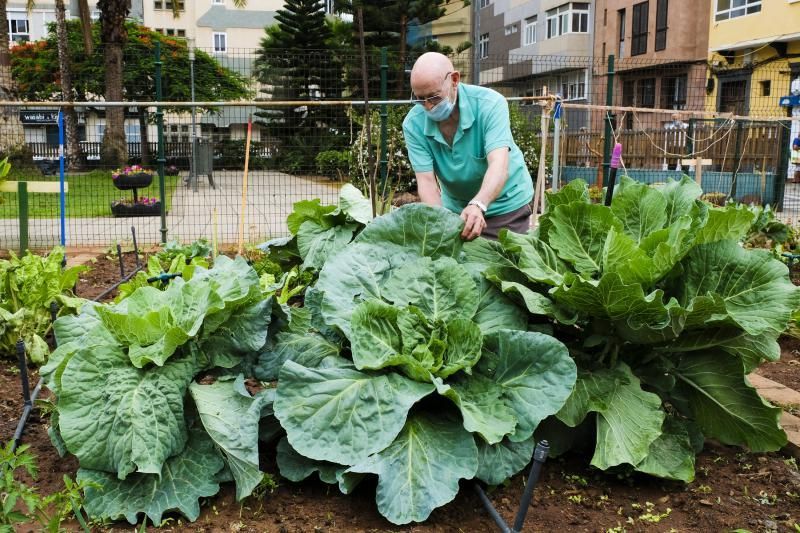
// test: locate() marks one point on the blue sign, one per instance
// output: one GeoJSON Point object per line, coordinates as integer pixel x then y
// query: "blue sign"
{"type": "Point", "coordinates": [790, 101]}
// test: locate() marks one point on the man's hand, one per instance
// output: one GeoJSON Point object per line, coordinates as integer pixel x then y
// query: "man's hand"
{"type": "Point", "coordinates": [474, 223]}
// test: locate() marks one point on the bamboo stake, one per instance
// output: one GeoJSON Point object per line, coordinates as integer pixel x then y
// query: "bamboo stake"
{"type": "Point", "coordinates": [243, 210]}
{"type": "Point", "coordinates": [214, 235]}
{"type": "Point", "coordinates": [538, 196]}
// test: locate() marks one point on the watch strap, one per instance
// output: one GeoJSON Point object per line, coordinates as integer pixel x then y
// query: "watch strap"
{"type": "Point", "coordinates": [482, 206]}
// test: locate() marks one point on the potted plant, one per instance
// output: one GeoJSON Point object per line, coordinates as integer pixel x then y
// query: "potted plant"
{"type": "Point", "coordinates": [132, 177]}
{"type": "Point", "coordinates": [142, 207]}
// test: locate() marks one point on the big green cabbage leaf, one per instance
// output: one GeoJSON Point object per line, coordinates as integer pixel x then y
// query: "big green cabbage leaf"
{"type": "Point", "coordinates": [671, 313]}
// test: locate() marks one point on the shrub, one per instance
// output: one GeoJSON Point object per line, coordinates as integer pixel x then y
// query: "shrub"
{"type": "Point", "coordinates": [334, 164]}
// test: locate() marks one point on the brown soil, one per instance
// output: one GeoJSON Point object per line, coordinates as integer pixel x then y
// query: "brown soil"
{"type": "Point", "coordinates": [733, 488]}
{"type": "Point", "coordinates": [105, 272]}
{"type": "Point", "coordinates": [786, 371]}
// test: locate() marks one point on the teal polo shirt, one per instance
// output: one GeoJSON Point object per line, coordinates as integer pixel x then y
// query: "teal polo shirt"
{"type": "Point", "coordinates": [483, 126]}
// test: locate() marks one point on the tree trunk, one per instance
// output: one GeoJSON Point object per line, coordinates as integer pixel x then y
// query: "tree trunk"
{"type": "Point", "coordinates": [114, 150]}
{"type": "Point", "coordinates": [144, 136]}
{"type": "Point", "coordinates": [12, 135]}
{"type": "Point", "coordinates": [73, 148]}
{"type": "Point", "coordinates": [401, 75]}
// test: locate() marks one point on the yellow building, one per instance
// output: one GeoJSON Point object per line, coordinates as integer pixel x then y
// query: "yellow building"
{"type": "Point", "coordinates": [754, 53]}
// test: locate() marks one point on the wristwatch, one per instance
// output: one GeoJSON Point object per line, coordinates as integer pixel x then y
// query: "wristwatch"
{"type": "Point", "coordinates": [481, 205]}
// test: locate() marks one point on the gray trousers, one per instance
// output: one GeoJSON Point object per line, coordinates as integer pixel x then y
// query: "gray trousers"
{"type": "Point", "coordinates": [518, 221]}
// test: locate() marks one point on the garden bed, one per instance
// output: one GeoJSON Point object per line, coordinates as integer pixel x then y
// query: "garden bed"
{"type": "Point", "coordinates": [733, 489]}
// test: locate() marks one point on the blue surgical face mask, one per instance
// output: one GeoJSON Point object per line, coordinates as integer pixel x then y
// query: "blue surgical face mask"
{"type": "Point", "coordinates": [440, 111]}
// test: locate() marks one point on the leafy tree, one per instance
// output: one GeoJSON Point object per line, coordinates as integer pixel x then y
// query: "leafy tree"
{"type": "Point", "coordinates": [12, 137]}
{"type": "Point", "coordinates": [296, 62]}
{"type": "Point", "coordinates": [35, 67]}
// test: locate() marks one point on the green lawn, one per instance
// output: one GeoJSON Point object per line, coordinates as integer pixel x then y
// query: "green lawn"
{"type": "Point", "coordinates": [89, 195]}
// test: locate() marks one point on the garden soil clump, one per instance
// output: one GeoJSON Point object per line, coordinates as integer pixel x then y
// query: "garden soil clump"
{"type": "Point", "coordinates": [733, 489]}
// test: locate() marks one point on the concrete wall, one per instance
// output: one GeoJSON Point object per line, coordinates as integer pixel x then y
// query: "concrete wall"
{"type": "Point", "coordinates": [687, 30]}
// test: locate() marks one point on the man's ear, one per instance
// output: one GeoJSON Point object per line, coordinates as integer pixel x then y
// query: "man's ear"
{"type": "Point", "coordinates": [455, 76]}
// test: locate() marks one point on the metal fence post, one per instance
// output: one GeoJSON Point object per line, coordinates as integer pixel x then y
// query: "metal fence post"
{"type": "Point", "coordinates": [161, 159]}
{"type": "Point", "coordinates": [22, 199]}
{"type": "Point", "coordinates": [609, 120]}
{"type": "Point", "coordinates": [782, 172]}
{"type": "Point", "coordinates": [737, 160]}
{"type": "Point", "coordinates": [384, 122]}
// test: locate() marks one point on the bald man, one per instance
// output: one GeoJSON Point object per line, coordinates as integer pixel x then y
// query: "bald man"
{"type": "Point", "coordinates": [460, 147]}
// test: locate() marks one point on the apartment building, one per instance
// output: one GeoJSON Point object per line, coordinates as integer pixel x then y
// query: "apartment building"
{"type": "Point", "coordinates": [526, 47]}
{"type": "Point", "coordinates": [660, 49]}
{"type": "Point", "coordinates": [754, 53]}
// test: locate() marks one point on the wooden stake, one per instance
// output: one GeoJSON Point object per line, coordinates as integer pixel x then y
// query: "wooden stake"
{"type": "Point", "coordinates": [243, 210]}
{"type": "Point", "coordinates": [214, 235]}
{"type": "Point", "coordinates": [538, 195]}
{"type": "Point", "coordinates": [698, 171]}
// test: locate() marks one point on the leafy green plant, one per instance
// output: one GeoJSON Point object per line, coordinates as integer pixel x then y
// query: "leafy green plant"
{"type": "Point", "coordinates": [150, 437]}
{"type": "Point", "coordinates": [664, 313]}
{"type": "Point", "coordinates": [334, 164]}
{"type": "Point", "coordinates": [49, 511]}
{"type": "Point", "coordinates": [28, 285]}
{"type": "Point", "coordinates": [768, 232]}
{"type": "Point", "coordinates": [5, 168]}
{"type": "Point", "coordinates": [411, 367]}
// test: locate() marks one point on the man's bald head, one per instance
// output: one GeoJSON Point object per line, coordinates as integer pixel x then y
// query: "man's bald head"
{"type": "Point", "coordinates": [429, 72]}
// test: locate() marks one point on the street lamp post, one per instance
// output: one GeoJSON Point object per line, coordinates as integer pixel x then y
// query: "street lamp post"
{"type": "Point", "coordinates": [193, 171]}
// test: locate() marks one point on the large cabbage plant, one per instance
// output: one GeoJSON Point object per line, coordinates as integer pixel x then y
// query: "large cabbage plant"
{"type": "Point", "coordinates": [148, 435]}
{"type": "Point", "coordinates": [408, 365]}
{"type": "Point", "coordinates": [664, 312]}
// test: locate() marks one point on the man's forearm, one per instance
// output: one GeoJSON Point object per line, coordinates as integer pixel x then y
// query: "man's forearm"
{"type": "Point", "coordinates": [428, 189]}
{"type": "Point", "coordinates": [495, 178]}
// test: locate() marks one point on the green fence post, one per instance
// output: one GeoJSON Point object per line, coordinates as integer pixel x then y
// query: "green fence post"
{"type": "Point", "coordinates": [782, 169]}
{"type": "Point", "coordinates": [384, 123]}
{"type": "Point", "coordinates": [161, 159]}
{"type": "Point", "coordinates": [22, 199]}
{"type": "Point", "coordinates": [737, 160]}
{"type": "Point", "coordinates": [609, 120]}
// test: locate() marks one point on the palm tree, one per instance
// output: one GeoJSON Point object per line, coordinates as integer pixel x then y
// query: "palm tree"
{"type": "Point", "coordinates": [114, 151]}
{"type": "Point", "coordinates": [65, 73]}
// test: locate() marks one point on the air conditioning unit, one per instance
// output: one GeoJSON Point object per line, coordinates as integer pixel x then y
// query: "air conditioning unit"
{"type": "Point", "coordinates": [747, 57]}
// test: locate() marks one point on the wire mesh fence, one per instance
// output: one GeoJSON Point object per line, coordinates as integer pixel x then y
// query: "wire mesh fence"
{"type": "Point", "coordinates": [308, 133]}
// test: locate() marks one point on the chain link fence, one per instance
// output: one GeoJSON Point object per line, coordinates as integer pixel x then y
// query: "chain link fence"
{"type": "Point", "coordinates": [308, 133]}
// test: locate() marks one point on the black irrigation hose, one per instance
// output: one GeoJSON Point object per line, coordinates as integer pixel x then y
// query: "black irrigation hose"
{"type": "Point", "coordinates": [540, 453]}
{"type": "Point", "coordinates": [22, 362]}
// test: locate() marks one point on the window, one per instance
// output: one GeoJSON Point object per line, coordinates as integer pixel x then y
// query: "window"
{"type": "Point", "coordinates": [639, 30]}
{"type": "Point", "coordinates": [219, 2]}
{"type": "Point", "coordinates": [673, 92]}
{"type": "Point", "coordinates": [605, 18]}
{"type": "Point", "coordinates": [18, 29]}
{"type": "Point", "coordinates": [571, 86]}
{"type": "Point", "coordinates": [646, 92]}
{"type": "Point", "coordinates": [733, 96]}
{"type": "Point", "coordinates": [730, 9]}
{"type": "Point", "coordinates": [484, 3]}
{"type": "Point", "coordinates": [661, 24]}
{"type": "Point", "coordinates": [132, 133]}
{"type": "Point", "coordinates": [766, 87]}
{"type": "Point", "coordinates": [530, 31]}
{"type": "Point", "coordinates": [621, 24]}
{"type": "Point", "coordinates": [167, 4]}
{"type": "Point", "coordinates": [568, 18]}
{"type": "Point", "coordinates": [511, 28]}
{"type": "Point", "coordinates": [220, 43]}
{"type": "Point", "coordinates": [483, 46]}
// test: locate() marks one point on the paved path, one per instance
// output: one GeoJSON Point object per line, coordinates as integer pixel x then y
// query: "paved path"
{"type": "Point", "coordinates": [785, 397]}
{"type": "Point", "coordinates": [270, 196]}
